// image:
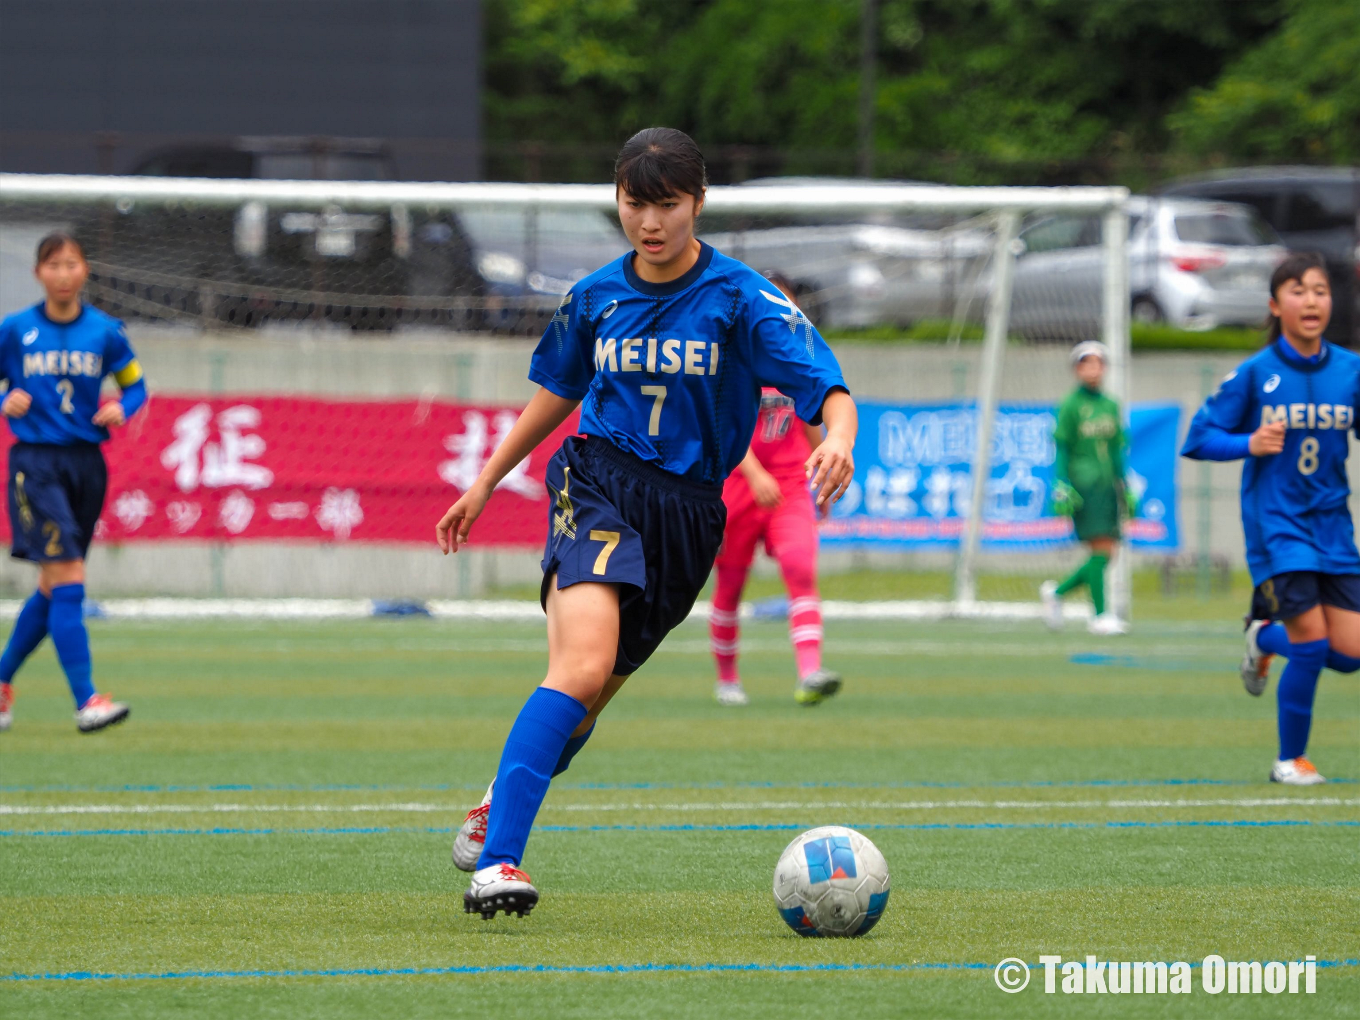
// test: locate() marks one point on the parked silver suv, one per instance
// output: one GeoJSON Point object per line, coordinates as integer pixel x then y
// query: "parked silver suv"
{"type": "Point", "coordinates": [1192, 264]}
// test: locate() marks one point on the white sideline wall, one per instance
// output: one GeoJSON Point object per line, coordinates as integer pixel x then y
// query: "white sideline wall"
{"type": "Point", "coordinates": [443, 365]}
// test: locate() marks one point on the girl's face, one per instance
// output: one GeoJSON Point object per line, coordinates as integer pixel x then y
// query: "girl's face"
{"type": "Point", "coordinates": [1303, 306]}
{"type": "Point", "coordinates": [63, 274]}
{"type": "Point", "coordinates": [1090, 371]}
{"type": "Point", "coordinates": [660, 232]}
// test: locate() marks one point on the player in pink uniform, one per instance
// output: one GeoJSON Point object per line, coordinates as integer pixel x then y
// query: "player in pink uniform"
{"type": "Point", "coordinates": [767, 498]}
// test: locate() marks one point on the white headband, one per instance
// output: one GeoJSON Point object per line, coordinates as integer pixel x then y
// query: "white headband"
{"type": "Point", "coordinates": [1088, 347]}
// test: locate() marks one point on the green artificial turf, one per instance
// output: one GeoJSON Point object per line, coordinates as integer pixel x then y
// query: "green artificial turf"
{"type": "Point", "coordinates": [273, 825]}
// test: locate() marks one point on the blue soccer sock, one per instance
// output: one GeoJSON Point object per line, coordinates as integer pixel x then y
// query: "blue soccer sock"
{"type": "Point", "coordinates": [1341, 662]}
{"type": "Point", "coordinates": [66, 624]}
{"type": "Point", "coordinates": [29, 630]}
{"type": "Point", "coordinates": [1274, 639]}
{"type": "Point", "coordinates": [535, 745]}
{"type": "Point", "coordinates": [1294, 696]}
{"type": "Point", "coordinates": [574, 744]}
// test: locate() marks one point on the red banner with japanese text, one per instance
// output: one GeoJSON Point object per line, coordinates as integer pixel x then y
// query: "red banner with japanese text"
{"type": "Point", "coordinates": [296, 468]}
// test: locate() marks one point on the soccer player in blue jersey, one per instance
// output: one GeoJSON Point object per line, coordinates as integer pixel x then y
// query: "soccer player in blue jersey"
{"type": "Point", "coordinates": [1289, 411]}
{"type": "Point", "coordinates": [665, 350]}
{"type": "Point", "coordinates": [53, 359]}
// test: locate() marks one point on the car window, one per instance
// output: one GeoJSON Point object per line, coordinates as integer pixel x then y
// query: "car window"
{"type": "Point", "coordinates": [1264, 202]}
{"type": "Point", "coordinates": [1321, 206]}
{"type": "Point", "coordinates": [321, 166]}
{"type": "Point", "coordinates": [509, 228]}
{"type": "Point", "coordinates": [1062, 232]}
{"type": "Point", "coordinates": [1226, 228]}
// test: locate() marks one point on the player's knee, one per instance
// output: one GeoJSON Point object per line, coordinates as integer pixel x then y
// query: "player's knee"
{"type": "Point", "coordinates": [1310, 653]}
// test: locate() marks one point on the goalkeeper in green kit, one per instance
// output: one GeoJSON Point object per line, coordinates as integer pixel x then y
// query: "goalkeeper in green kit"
{"type": "Point", "coordinates": [1088, 484]}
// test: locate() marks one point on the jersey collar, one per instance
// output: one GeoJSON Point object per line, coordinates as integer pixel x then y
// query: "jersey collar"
{"type": "Point", "coordinates": [40, 309]}
{"type": "Point", "coordinates": [1286, 353]}
{"type": "Point", "coordinates": [674, 286]}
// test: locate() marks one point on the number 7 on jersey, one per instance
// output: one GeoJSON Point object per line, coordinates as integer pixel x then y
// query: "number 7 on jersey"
{"type": "Point", "coordinates": [659, 395]}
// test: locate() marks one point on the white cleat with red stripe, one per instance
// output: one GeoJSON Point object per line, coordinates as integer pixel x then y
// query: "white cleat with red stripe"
{"type": "Point", "coordinates": [467, 845]}
{"type": "Point", "coordinates": [500, 887]}
{"type": "Point", "coordinates": [98, 712]}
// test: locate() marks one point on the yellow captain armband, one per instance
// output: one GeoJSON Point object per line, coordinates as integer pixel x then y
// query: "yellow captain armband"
{"type": "Point", "coordinates": [128, 374]}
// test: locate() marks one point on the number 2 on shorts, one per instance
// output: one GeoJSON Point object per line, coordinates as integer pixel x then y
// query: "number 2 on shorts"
{"type": "Point", "coordinates": [610, 540]}
{"type": "Point", "coordinates": [654, 424]}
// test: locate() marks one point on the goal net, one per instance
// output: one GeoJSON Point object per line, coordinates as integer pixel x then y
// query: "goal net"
{"type": "Point", "coordinates": [952, 310]}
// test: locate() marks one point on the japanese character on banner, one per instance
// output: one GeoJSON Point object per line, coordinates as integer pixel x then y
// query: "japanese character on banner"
{"type": "Point", "coordinates": [196, 461]}
{"type": "Point", "coordinates": [132, 508]}
{"type": "Point", "coordinates": [473, 447]}
{"type": "Point", "coordinates": [236, 512]}
{"type": "Point", "coordinates": [339, 512]}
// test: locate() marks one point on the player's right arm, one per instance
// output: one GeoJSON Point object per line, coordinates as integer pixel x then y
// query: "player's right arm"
{"type": "Point", "coordinates": [17, 401]}
{"type": "Point", "coordinates": [540, 418]}
{"type": "Point", "coordinates": [1221, 429]}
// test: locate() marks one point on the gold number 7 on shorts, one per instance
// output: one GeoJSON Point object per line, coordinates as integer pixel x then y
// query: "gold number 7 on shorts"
{"type": "Point", "coordinates": [610, 540]}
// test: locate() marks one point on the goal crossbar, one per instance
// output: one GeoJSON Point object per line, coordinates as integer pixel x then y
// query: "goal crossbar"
{"type": "Point", "coordinates": [815, 198]}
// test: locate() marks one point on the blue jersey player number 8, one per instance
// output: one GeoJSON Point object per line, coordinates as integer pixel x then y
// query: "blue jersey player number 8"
{"type": "Point", "coordinates": [665, 350]}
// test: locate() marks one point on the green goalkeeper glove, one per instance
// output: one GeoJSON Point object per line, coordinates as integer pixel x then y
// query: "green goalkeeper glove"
{"type": "Point", "coordinates": [1066, 500]}
{"type": "Point", "coordinates": [1131, 501]}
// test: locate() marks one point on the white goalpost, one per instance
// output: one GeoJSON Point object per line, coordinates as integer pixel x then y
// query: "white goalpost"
{"type": "Point", "coordinates": [197, 251]}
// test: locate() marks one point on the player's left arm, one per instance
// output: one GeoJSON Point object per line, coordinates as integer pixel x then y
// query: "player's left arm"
{"type": "Point", "coordinates": [127, 373]}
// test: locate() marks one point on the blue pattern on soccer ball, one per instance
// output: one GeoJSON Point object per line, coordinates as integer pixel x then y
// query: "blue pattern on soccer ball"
{"type": "Point", "coordinates": [829, 858]}
{"type": "Point", "coordinates": [797, 919]}
{"type": "Point", "coordinates": [878, 902]}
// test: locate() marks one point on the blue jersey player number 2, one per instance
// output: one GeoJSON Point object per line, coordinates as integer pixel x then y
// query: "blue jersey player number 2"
{"type": "Point", "coordinates": [665, 350]}
{"type": "Point", "coordinates": [53, 361]}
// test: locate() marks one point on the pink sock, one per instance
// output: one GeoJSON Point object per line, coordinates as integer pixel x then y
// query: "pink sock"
{"type": "Point", "coordinates": [722, 622]}
{"type": "Point", "coordinates": [805, 628]}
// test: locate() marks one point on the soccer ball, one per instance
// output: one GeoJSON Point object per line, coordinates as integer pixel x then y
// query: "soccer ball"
{"type": "Point", "coordinates": [831, 881]}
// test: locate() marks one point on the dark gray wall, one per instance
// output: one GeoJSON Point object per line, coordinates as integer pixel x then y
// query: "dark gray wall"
{"type": "Point", "coordinates": [92, 85]}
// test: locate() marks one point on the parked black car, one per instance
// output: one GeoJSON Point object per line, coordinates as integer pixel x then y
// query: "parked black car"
{"type": "Point", "coordinates": [1312, 209]}
{"type": "Point", "coordinates": [468, 268]}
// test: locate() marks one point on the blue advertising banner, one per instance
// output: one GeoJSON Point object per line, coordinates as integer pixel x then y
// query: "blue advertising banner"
{"type": "Point", "coordinates": [913, 479]}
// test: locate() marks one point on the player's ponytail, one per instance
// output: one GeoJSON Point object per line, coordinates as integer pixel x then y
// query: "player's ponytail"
{"type": "Point", "coordinates": [657, 163]}
{"type": "Point", "coordinates": [54, 243]}
{"type": "Point", "coordinates": [1293, 267]}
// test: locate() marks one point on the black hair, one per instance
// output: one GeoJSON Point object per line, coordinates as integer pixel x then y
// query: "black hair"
{"type": "Point", "coordinates": [781, 281]}
{"type": "Point", "coordinates": [658, 163]}
{"type": "Point", "coordinates": [55, 242]}
{"type": "Point", "coordinates": [1293, 267]}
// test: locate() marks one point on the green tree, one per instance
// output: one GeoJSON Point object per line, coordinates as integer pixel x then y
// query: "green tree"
{"type": "Point", "coordinates": [1294, 97]}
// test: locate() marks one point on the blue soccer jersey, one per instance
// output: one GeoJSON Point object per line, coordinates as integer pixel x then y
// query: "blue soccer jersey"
{"type": "Point", "coordinates": [672, 372]}
{"type": "Point", "coordinates": [1295, 509]}
{"type": "Point", "coordinates": [61, 365]}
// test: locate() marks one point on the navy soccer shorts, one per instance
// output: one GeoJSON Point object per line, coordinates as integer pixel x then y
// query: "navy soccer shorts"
{"type": "Point", "coordinates": [56, 494]}
{"type": "Point", "coordinates": [1297, 591]}
{"type": "Point", "coordinates": [619, 520]}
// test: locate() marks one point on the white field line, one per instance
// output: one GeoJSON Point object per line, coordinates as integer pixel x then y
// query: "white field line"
{"type": "Point", "coordinates": [768, 805]}
{"type": "Point", "coordinates": [519, 609]}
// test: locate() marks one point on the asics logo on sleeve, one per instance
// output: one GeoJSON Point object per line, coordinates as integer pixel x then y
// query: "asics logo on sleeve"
{"type": "Point", "coordinates": [1310, 416]}
{"type": "Point", "coordinates": [30, 336]}
{"type": "Point", "coordinates": [1270, 384]}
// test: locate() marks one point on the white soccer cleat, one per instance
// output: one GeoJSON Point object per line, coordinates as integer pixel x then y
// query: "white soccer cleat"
{"type": "Point", "coordinates": [1107, 624]}
{"type": "Point", "coordinates": [1255, 668]}
{"type": "Point", "coordinates": [6, 706]}
{"type": "Point", "coordinates": [99, 712]}
{"type": "Point", "coordinates": [1053, 610]}
{"type": "Point", "coordinates": [730, 694]}
{"type": "Point", "coordinates": [500, 887]}
{"type": "Point", "coordinates": [471, 838]}
{"type": "Point", "coordinates": [1296, 772]}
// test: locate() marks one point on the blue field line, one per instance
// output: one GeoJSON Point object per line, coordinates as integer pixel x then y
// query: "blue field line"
{"type": "Point", "coordinates": [378, 830]}
{"type": "Point", "coordinates": [715, 785]}
{"type": "Point", "coordinates": [542, 968]}
{"type": "Point", "coordinates": [1143, 662]}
